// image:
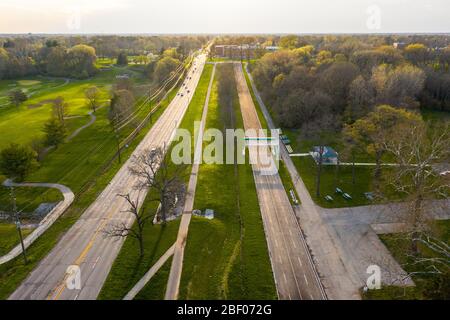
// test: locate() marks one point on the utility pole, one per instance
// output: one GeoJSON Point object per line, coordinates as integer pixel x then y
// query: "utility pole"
{"type": "Point", "coordinates": [18, 226]}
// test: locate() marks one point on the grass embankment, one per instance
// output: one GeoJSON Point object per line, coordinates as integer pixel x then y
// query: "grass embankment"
{"type": "Point", "coordinates": [428, 286]}
{"type": "Point", "coordinates": [83, 164]}
{"type": "Point", "coordinates": [226, 258]}
{"type": "Point", "coordinates": [129, 268]}
{"type": "Point", "coordinates": [10, 236]}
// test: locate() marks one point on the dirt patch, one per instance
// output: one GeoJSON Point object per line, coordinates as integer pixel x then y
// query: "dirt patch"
{"type": "Point", "coordinates": [41, 103]}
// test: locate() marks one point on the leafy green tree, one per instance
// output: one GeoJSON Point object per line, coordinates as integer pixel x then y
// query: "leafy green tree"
{"type": "Point", "coordinates": [379, 126]}
{"type": "Point", "coordinates": [289, 42]}
{"type": "Point", "coordinates": [16, 97]}
{"type": "Point", "coordinates": [80, 61]}
{"type": "Point", "coordinates": [165, 67]}
{"type": "Point", "coordinates": [55, 132]}
{"type": "Point", "coordinates": [122, 59]}
{"type": "Point", "coordinates": [17, 161]}
{"type": "Point", "coordinates": [417, 53]}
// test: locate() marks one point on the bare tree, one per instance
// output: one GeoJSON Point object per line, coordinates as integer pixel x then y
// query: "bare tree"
{"type": "Point", "coordinates": [164, 179]}
{"type": "Point", "coordinates": [123, 230]}
{"type": "Point", "coordinates": [416, 152]}
{"type": "Point", "coordinates": [60, 109]}
{"type": "Point", "coordinates": [92, 95]}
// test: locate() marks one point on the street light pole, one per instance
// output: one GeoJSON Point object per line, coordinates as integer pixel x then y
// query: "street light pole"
{"type": "Point", "coordinates": [18, 226]}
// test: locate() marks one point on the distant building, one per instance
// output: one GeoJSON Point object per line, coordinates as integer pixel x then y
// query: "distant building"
{"type": "Point", "coordinates": [329, 155]}
{"type": "Point", "coordinates": [399, 45]}
{"type": "Point", "coordinates": [272, 48]}
{"type": "Point", "coordinates": [234, 51]}
{"type": "Point", "coordinates": [123, 76]}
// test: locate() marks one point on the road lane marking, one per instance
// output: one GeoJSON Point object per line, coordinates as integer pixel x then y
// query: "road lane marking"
{"type": "Point", "coordinates": [95, 263]}
{"type": "Point", "coordinates": [304, 276]}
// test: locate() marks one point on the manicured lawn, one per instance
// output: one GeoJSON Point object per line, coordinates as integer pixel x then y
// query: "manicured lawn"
{"type": "Point", "coordinates": [226, 258]}
{"type": "Point", "coordinates": [24, 123]}
{"type": "Point", "coordinates": [27, 199]}
{"type": "Point", "coordinates": [128, 268]}
{"type": "Point", "coordinates": [332, 178]}
{"type": "Point", "coordinates": [85, 165]}
{"type": "Point", "coordinates": [399, 246]}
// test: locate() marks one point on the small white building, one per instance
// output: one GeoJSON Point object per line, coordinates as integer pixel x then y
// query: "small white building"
{"type": "Point", "coordinates": [329, 155]}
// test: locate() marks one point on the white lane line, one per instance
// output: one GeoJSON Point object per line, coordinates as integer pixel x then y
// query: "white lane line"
{"type": "Point", "coordinates": [293, 243]}
{"type": "Point", "coordinates": [304, 276]}
{"type": "Point", "coordinates": [299, 260]}
{"type": "Point", "coordinates": [285, 279]}
{"type": "Point", "coordinates": [95, 263]}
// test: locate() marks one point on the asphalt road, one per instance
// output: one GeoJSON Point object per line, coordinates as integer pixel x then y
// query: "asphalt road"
{"type": "Point", "coordinates": [294, 272]}
{"type": "Point", "coordinates": [173, 283]}
{"type": "Point", "coordinates": [85, 245]}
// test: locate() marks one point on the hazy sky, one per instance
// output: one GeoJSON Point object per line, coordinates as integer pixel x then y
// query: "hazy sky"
{"type": "Point", "coordinates": [223, 16]}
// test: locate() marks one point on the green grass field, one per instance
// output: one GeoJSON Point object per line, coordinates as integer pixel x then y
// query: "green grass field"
{"type": "Point", "coordinates": [128, 268]}
{"type": "Point", "coordinates": [226, 258]}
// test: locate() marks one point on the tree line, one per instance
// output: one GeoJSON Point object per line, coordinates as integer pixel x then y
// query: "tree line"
{"type": "Point", "coordinates": [75, 56]}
